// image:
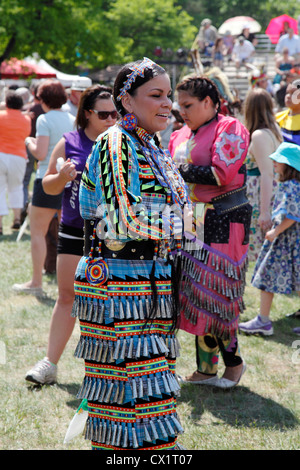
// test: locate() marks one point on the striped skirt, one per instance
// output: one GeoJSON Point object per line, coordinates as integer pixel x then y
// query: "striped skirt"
{"type": "Point", "coordinates": [130, 382]}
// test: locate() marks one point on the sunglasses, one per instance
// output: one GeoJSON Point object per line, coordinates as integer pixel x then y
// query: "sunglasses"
{"type": "Point", "coordinates": [105, 114]}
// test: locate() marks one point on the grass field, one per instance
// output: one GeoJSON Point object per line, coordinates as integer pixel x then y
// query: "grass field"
{"type": "Point", "coordinates": [261, 413]}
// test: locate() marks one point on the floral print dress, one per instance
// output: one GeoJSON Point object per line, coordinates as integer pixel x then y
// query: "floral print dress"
{"type": "Point", "coordinates": [277, 268]}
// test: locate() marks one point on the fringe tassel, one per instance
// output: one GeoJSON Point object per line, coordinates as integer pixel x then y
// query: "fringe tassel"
{"type": "Point", "coordinates": [121, 392]}
{"type": "Point", "coordinates": [130, 308]}
{"type": "Point", "coordinates": [223, 328]}
{"type": "Point", "coordinates": [135, 347]}
{"type": "Point", "coordinates": [207, 257]}
{"type": "Point", "coordinates": [126, 435]}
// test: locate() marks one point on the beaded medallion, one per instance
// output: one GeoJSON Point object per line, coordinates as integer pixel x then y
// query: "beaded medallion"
{"type": "Point", "coordinates": [96, 271]}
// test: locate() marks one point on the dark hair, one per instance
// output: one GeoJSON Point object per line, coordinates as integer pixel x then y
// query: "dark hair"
{"type": "Point", "coordinates": [13, 100]}
{"type": "Point", "coordinates": [52, 93]}
{"type": "Point", "coordinates": [87, 102]}
{"type": "Point", "coordinates": [289, 173]}
{"type": "Point", "coordinates": [121, 78]}
{"type": "Point", "coordinates": [201, 87]}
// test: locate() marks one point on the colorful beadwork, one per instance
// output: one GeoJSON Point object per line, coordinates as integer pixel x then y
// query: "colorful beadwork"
{"type": "Point", "coordinates": [137, 70]}
{"type": "Point", "coordinates": [130, 382]}
{"type": "Point", "coordinates": [96, 271]}
{"type": "Point", "coordinates": [129, 122]}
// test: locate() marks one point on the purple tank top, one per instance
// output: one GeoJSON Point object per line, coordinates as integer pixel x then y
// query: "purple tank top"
{"type": "Point", "coordinates": [77, 147]}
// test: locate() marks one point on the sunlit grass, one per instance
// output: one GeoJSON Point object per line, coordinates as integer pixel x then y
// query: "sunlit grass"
{"type": "Point", "coordinates": [263, 412]}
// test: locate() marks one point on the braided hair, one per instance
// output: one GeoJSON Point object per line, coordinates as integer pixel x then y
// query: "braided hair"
{"type": "Point", "coordinates": [201, 87]}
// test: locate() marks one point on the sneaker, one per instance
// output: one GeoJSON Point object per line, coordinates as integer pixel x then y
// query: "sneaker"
{"type": "Point", "coordinates": [24, 289]}
{"type": "Point", "coordinates": [42, 373]}
{"type": "Point", "coordinates": [257, 326]}
{"type": "Point", "coordinates": [297, 330]}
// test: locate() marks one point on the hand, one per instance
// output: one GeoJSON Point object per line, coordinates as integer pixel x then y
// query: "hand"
{"type": "Point", "coordinates": [265, 221]}
{"type": "Point", "coordinates": [271, 235]}
{"type": "Point", "coordinates": [68, 170]}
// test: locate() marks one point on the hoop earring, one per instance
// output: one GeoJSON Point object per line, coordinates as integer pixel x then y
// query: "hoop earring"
{"type": "Point", "coordinates": [129, 122]}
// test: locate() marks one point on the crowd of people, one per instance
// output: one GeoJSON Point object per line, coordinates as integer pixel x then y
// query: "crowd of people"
{"type": "Point", "coordinates": [155, 230]}
{"type": "Point", "coordinates": [241, 50]}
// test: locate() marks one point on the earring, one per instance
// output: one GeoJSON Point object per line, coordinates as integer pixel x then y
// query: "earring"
{"type": "Point", "coordinates": [129, 122]}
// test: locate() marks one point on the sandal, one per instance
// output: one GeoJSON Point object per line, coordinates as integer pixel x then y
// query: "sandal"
{"type": "Point", "coordinates": [16, 225]}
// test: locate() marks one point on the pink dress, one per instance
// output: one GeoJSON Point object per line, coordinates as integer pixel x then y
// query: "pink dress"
{"type": "Point", "coordinates": [214, 260]}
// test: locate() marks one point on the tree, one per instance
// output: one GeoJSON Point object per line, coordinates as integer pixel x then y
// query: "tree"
{"type": "Point", "coordinates": [93, 34]}
{"type": "Point", "coordinates": [145, 24]}
{"type": "Point", "coordinates": [58, 30]}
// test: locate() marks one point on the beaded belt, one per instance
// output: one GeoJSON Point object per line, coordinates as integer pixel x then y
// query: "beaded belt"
{"type": "Point", "coordinates": [230, 201]}
{"type": "Point", "coordinates": [132, 250]}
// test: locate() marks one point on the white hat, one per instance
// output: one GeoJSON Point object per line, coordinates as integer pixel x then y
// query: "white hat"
{"type": "Point", "coordinates": [25, 94]}
{"type": "Point", "coordinates": [81, 83]}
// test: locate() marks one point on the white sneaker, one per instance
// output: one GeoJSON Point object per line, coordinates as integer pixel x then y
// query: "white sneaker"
{"type": "Point", "coordinates": [24, 289]}
{"type": "Point", "coordinates": [42, 373]}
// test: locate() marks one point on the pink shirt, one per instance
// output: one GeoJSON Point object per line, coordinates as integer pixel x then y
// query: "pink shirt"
{"type": "Point", "coordinates": [221, 144]}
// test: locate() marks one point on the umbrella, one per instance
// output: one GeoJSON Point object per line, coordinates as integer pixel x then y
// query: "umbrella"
{"type": "Point", "coordinates": [236, 25]}
{"type": "Point", "coordinates": [15, 69]}
{"type": "Point", "coordinates": [275, 27]}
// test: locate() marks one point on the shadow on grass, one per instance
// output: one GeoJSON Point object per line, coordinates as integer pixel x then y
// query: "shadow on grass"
{"type": "Point", "coordinates": [46, 300]}
{"type": "Point", "coordinates": [70, 388]}
{"type": "Point", "coordinates": [238, 407]}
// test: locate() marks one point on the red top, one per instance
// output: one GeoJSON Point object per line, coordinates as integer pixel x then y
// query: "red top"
{"type": "Point", "coordinates": [221, 144]}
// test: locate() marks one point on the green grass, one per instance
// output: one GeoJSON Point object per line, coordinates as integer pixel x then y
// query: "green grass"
{"type": "Point", "coordinates": [262, 413]}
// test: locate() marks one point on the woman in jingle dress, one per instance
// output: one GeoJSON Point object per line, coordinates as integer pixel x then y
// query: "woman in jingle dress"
{"type": "Point", "coordinates": [124, 283]}
{"type": "Point", "coordinates": [210, 151]}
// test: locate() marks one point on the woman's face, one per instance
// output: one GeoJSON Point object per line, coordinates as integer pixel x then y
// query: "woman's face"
{"type": "Point", "coordinates": [101, 125]}
{"type": "Point", "coordinates": [151, 104]}
{"type": "Point", "coordinates": [194, 112]}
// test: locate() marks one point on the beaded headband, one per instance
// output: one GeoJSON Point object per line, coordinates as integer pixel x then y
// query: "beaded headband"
{"type": "Point", "coordinates": [136, 70]}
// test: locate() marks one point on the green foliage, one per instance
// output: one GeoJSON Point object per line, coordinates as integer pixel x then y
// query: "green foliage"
{"type": "Point", "coordinates": [74, 34]}
{"type": "Point", "coordinates": [160, 24]}
{"type": "Point", "coordinates": [79, 33]}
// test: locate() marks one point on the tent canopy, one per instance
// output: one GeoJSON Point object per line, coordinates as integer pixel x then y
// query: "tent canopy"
{"type": "Point", "coordinates": [15, 69]}
{"type": "Point", "coordinates": [65, 78]}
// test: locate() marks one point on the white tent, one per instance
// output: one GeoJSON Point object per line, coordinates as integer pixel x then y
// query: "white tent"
{"type": "Point", "coordinates": [65, 78]}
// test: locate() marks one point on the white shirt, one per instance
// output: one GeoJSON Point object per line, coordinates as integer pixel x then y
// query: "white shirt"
{"type": "Point", "coordinates": [243, 50]}
{"type": "Point", "coordinates": [52, 124]}
{"type": "Point", "coordinates": [293, 44]}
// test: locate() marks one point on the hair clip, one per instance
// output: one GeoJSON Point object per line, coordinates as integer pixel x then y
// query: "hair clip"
{"type": "Point", "coordinates": [136, 70]}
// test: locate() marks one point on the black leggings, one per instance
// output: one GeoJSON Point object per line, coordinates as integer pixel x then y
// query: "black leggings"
{"type": "Point", "coordinates": [208, 348]}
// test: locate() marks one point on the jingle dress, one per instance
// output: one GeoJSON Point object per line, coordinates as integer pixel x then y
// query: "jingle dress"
{"type": "Point", "coordinates": [214, 257]}
{"type": "Point", "coordinates": [130, 380]}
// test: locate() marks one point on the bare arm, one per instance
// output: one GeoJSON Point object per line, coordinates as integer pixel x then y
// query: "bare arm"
{"type": "Point", "coordinates": [38, 146]}
{"type": "Point", "coordinates": [261, 149]}
{"type": "Point", "coordinates": [274, 232]}
{"type": "Point", "coordinates": [54, 181]}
